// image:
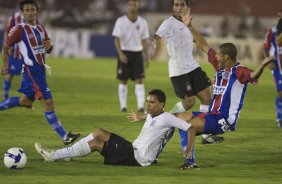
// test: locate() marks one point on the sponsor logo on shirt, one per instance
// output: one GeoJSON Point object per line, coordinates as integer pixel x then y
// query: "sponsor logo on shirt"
{"type": "Point", "coordinates": [218, 90]}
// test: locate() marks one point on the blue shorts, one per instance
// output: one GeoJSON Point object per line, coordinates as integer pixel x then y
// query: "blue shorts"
{"type": "Point", "coordinates": [34, 84]}
{"type": "Point", "coordinates": [215, 123]}
{"type": "Point", "coordinates": [15, 66]}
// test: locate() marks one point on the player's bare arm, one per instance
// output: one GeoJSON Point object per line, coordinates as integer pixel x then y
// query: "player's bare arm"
{"type": "Point", "coordinates": [121, 55]}
{"type": "Point", "coordinates": [134, 117]}
{"type": "Point", "coordinates": [145, 51]}
{"type": "Point", "coordinates": [156, 42]}
{"type": "Point", "coordinates": [191, 132]}
{"type": "Point", "coordinates": [5, 56]}
{"type": "Point", "coordinates": [257, 73]}
{"type": "Point", "coordinates": [199, 39]}
{"type": "Point", "coordinates": [48, 45]}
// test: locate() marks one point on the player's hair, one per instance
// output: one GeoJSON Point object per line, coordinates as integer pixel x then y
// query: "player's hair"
{"type": "Point", "coordinates": [159, 94]}
{"type": "Point", "coordinates": [229, 49]}
{"type": "Point", "coordinates": [279, 27]}
{"type": "Point", "coordinates": [188, 2]}
{"type": "Point", "coordinates": [24, 2]}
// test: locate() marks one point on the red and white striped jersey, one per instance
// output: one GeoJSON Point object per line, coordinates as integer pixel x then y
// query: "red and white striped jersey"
{"type": "Point", "coordinates": [29, 39]}
{"type": "Point", "coordinates": [229, 89]}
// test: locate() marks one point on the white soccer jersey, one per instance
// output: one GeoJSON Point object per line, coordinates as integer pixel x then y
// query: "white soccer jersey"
{"type": "Point", "coordinates": [148, 143]}
{"type": "Point", "coordinates": [131, 33]}
{"type": "Point", "coordinates": [179, 46]}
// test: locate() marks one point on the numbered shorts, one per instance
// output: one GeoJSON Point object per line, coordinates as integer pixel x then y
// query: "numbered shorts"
{"type": "Point", "coordinates": [191, 83]}
{"type": "Point", "coordinates": [133, 69]}
{"type": "Point", "coordinates": [15, 66]}
{"type": "Point", "coordinates": [215, 124]}
{"type": "Point", "coordinates": [118, 151]}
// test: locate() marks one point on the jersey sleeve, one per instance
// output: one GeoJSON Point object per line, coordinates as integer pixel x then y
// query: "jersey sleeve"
{"type": "Point", "coordinates": [164, 31]}
{"type": "Point", "coordinates": [173, 121]}
{"type": "Point", "coordinates": [10, 23]}
{"type": "Point", "coordinates": [243, 75]}
{"type": "Point", "coordinates": [146, 33]}
{"type": "Point", "coordinates": [212, 59]}
{"type": "Point", "coordinates": [267, 40]}
{"type": "Point", "coordinates": [117, 31]}
{"type": "Point", "coordinates": [14, 35]}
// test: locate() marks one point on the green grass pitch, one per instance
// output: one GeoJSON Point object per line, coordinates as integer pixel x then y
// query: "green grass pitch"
{"type": "Point", "coordinates": [85, 94]}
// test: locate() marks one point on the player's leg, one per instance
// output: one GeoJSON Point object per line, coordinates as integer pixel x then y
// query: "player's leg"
{"type": "Point", "coordinates": [278, 103]}
{"type": "Point", "coordinates": [202, 88]}
{"type": "Point", "coordinates": [122, 94]}
{"type": "Point", "coordinates": [198, 123]}
{"type": "Point", "coordinates": [137, 73]}
{"type": "Point", "coordinates": [122, 76]}
{"type": "Point", "coordinates": [278, 99]}
{"type": "Point", "coordinates": [14, 68]}
{"type": "Point", "coordinates": [79, 149]}
{"type": "Point", "coordinates": [140, 94]}
{"type": "Point", "coordinates": [7, 86]}
{"type": "Point", "coordinates": [54, 122]}
{"type": "Point", "coordinates": [183, 90]}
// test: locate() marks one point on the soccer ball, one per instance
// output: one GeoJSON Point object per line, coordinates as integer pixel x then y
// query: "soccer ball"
{"type": "Point", "coordinates": [15, 158]}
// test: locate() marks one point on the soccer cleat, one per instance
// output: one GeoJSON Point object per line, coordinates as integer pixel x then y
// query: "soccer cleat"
{"type": "Point", "coordinates": [211, 139]}
{"type": "Point", "coordinates": [71, 138]}
{"type": "Point", "coordinates": [189, 165]}
{"type": "Point", "coordinates": [141, 110]}
{"type": "Point", "coordinates": [123, 110]}
{"type": "Point", "coordinates": [45, 153]}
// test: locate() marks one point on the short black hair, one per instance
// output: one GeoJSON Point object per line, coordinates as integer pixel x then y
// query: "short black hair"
{"type": "Point", "coordinates": [188, 2]}
{"type": "Point", "coordinates": [279, 27]}
{"type": "Point", "coordinates": [229, 49]}
{"type": "Point", "coordinates": [159, 94]}
{"type": "Point", "coordinates": [24, 2]}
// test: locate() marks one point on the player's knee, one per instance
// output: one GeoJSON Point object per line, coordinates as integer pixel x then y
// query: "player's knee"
{"type": "Point", "coordinates": [98, 132]}
{"type": "Point", "coordinates": [188, 103]}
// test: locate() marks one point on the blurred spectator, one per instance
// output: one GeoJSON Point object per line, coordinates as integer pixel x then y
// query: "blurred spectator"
{"type": "Point", "coordinates": [225, 27]}
{"type": "Point", "coordinates": [242, 29]}
{"type": "Point", "coordinates": [257, 28]}
{"type": "Point", "coordinates": [206, 30]}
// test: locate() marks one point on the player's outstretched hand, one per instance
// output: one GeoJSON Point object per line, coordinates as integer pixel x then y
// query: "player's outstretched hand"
{"type": "Point", "coordinates": [268, 60]}
{"type": "Point", "coordinates": [186, 18]}
{"type": "Point", "coordinates": [134, 117]}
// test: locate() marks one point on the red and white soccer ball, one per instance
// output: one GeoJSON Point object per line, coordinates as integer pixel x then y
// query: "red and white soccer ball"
{"type": "Point", "coordinates": [15, 158]}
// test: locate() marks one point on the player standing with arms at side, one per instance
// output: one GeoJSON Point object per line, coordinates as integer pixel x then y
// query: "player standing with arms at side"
{"type": "Point", "coordinates": [131, 33]}
{"type": "Point", "coordinates": [15, 59]}
{"type": "Point", "coordinates": [34, 43]}
{"type": "Point", "coordinates": [188, 79]}
{"type": "Point", "coordinates": [271, 47]}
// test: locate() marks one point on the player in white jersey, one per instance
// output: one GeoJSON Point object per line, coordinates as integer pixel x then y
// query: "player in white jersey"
{"type": "Point", "coordinates": [188, 79]}
{"type": "Point", "coordinates": [230, 85]}
{"type": "Point", "coordinates": [272, 47]}
{"type": "Point", "coordinates": [118, 151]}
{"type": "Point", "coordinates": [131, 33]}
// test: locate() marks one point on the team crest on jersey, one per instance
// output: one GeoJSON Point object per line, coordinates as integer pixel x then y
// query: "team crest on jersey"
{"type": "Point", "coordinates": [137, 27]}
{"type": "Point", "coordinates": [225, 75]}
